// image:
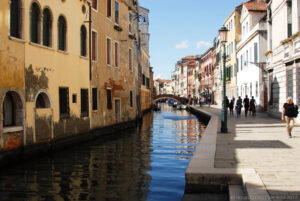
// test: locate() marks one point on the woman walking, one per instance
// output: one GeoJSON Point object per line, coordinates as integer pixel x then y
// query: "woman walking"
{"type": "Point", "coordinates": [289, 111]}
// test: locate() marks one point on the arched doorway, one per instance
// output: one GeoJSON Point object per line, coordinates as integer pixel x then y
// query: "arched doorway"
{"type": "Point", "coordinates": [43, 118]}
{"type": "Point", "coordinates": [12, 121]}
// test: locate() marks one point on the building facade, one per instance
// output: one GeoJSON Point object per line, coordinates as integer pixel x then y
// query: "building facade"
{"type": "Point", "coordinates": [251, 78]}
{"type": "Point", "coordinates": [232, 23]}
{"type": "Point", "coordinates": [283, 57]}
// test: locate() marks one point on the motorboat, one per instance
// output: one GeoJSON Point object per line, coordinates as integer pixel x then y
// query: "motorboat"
{"type": "Point", "coordinates": [156, 107]}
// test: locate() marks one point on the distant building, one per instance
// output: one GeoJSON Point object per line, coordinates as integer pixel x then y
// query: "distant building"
{"type": "Point", "coordinates": [163, 86]}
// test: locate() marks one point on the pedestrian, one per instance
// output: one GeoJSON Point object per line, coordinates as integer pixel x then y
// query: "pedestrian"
{"type": "Point", "coordinates": [246, 105]}
{"type": "Point", "coordinates": [253, 106]}
{"type": "Point", "coordinates": [238, 107]}
{"type": "Point", "coordinates": [231, 105]}
{"type": "Point", "coordinates": [289, 112]}
{"type": "Point", "coordinates": [208, 101]}
{"type": "Point", "coordinates": [227, 103]}
{"type": "Point", "coordinates": [233, 98]}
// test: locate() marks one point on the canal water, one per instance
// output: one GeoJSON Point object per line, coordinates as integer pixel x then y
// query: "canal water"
{"type": "Point", "coordinates": [143, 164]}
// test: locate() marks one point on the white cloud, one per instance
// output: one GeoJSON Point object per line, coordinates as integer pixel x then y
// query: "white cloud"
{"type": "Point", "coordinates": [183, 45]}
{"type": "Point", "coordinates": [202, 43]}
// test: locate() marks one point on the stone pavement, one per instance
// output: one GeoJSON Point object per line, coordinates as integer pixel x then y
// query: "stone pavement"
{"type": "Point", "coordinates": [261, 143]}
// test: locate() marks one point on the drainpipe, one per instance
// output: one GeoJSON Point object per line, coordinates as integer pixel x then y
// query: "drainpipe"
{"type": "Point", "coordinates": [138, 63]}
{"type": "Point", "coordinates": [90, 39]}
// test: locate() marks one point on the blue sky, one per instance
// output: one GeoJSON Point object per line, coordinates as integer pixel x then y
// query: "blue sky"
{"type": "Point", "coordinates": [183, 27]}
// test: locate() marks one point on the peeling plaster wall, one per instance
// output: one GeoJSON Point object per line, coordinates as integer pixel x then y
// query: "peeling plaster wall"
{"type": "Point", "coordinates": [52, 69]}
{"type": "Point", "coordinates": [11, 76]}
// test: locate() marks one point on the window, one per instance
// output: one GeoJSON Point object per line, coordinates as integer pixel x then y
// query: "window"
{"type": "Point", "coordinates": [16, 18]}
{"type": "Point", "coordinates": [8, 111]}
{"type": "Point", "coordinates": [108, 8]}
{"type": "Point", "coordinates": [95, 4]}
{"type": "Point", "coordinates": [95, 98]}
{"type": "Point", "coordinates": [108, 51]}
{"type": "Point", "coordinates": [256, 86]}
{"type": "Point", "coordinates": [250, 88]}
{"type": "Point", "coordinates": [47, 27]}
{"type": "Point", "coordinates": [94, 45]}
{"type": "Point", "coordinates": [131, 99]}
{"type": "Point", "coordinates": [247, 27]}
{"type": "Point", "coordinates": [62, 28]}
{"type": "Point", "coordinates": [144, 81]}
{"type": "Point", "coordinates": [147, 82]}
{"type": "Point", "coordinates": [84, 98]}
{"type": "Point", "coordinates": [247, 58]}
{"type": "Point", "coordinates": [250, 56]}
{"type": "Point", "coordinates": [116, 54]}
{"type": "Point", "coordinates": [109, 99]}
{"type": "Point", "coordinates": [255, 53]}
{"type": "Point", "coordinates": [130, 59]}
{"type": "Point", "coordinates": [83, 41]}
{"type": "Point", "coordinates": [42, 101]}
{"type": "Point", "coordinates": [74, 98]}
{"type": "Point", "coordinates": [241, 62]}
{"type": "Point", "coordinates": [35, 23]}
{"type": "Point", "coordinates": [64, 110]}
{"type": "Point", "coordinates": [116, 12]}
{"type": "Point", "coordinates": [130, 22]}
{"type": "Point", "coordinates": [237, 65]}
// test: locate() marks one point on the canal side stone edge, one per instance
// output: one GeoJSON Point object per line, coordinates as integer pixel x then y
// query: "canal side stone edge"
{"type": "Point", "coordinates": [202, 177]}
{"type": "Point", "coordinates": [30, 151]}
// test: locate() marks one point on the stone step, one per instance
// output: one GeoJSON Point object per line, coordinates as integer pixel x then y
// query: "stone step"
{"type": "Point", "coordinates": [237, 193]}
{"type": "Point", "coordinates": [205, 197]}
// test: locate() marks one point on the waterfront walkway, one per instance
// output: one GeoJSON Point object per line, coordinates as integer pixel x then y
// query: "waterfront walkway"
{"type": "Point", "coordinates": [261, 143]}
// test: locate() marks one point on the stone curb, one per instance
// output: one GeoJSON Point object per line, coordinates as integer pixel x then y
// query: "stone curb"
{"type": "Point", "coordinates": [202, 176]}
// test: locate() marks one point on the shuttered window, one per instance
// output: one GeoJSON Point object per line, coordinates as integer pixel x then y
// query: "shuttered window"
{"type": "Point", "coordinates": [95, 98]}
{"type": "Point", "coordinates": [35, 23]}
{"type": "Point", "coordinates": [108, 8]}
{"type": "Point", "coordinates": [15, 18]}
{"type": "Point", "coordinates": [83, 41]}
{"type": "Point", "coordinates": [131, 99]}
{"type": "Point", "coordinates": [95, 4]}
{"type": "Point", "coordinates": [94, 45]}
{"type": "Point", "coordinates": [62, 28]}
{"type": "Point", "coordinates": [47, 27]}
{"type": "Point", "coordinates": [84, 97]}
{"type": "Point", "coordinates": [109, 99]}
{"type": "Point", "coordinates": [64, 110]}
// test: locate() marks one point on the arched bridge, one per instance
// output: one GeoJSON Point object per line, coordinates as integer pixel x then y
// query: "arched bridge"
{"type": "Point", "coordinates": [181, 100]}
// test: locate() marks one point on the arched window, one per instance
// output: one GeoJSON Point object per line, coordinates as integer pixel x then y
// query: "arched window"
{"type": "Point", "coordinates": [12, 110]}
{"type": "Point", "coordinates": [62, 28]}
{"type": "Point", "coordinates": [47, 27]}
{"type": "Point", "coordinates": [35, 23]}
{"type": "Point", "coordinates": [8, 111]}
{"type": "Point", "coordinates": [42, 101]}
{"type": "Point", "coordinates": [16, 18]}
{"type": "Point", "coordinates": [83, 41]}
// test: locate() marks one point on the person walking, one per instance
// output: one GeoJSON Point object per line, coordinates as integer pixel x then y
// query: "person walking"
{"type": "Point", "coordinates": [238, 107]}
{"type": "Point", "coordinates": [246, 105]}
{"type": "Point", "coordinates": [231, 106]}
{"type": "Point", "coordinates": [253, 106]}
{"type": "Point", "coordinates": [289, 112]}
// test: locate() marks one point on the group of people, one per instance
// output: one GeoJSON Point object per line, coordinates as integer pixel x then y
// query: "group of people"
{"type": "Point", "coordinates": [249, 106]}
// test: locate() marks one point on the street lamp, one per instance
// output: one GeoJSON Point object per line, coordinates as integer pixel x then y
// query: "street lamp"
{"type": "Point", "coordinates": [223, 39]}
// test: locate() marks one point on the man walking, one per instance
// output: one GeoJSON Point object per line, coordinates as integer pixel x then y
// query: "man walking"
{"type": "Point", "coordinates": [246, 105]}
{"type": "Point", "coordinates": [238, 107]}
{"type": "Point", "coordinates": [289, 111]}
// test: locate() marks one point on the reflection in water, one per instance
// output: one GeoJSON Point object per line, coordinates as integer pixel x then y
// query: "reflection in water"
{"type": "Point", "coordinates": [137, 165]}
